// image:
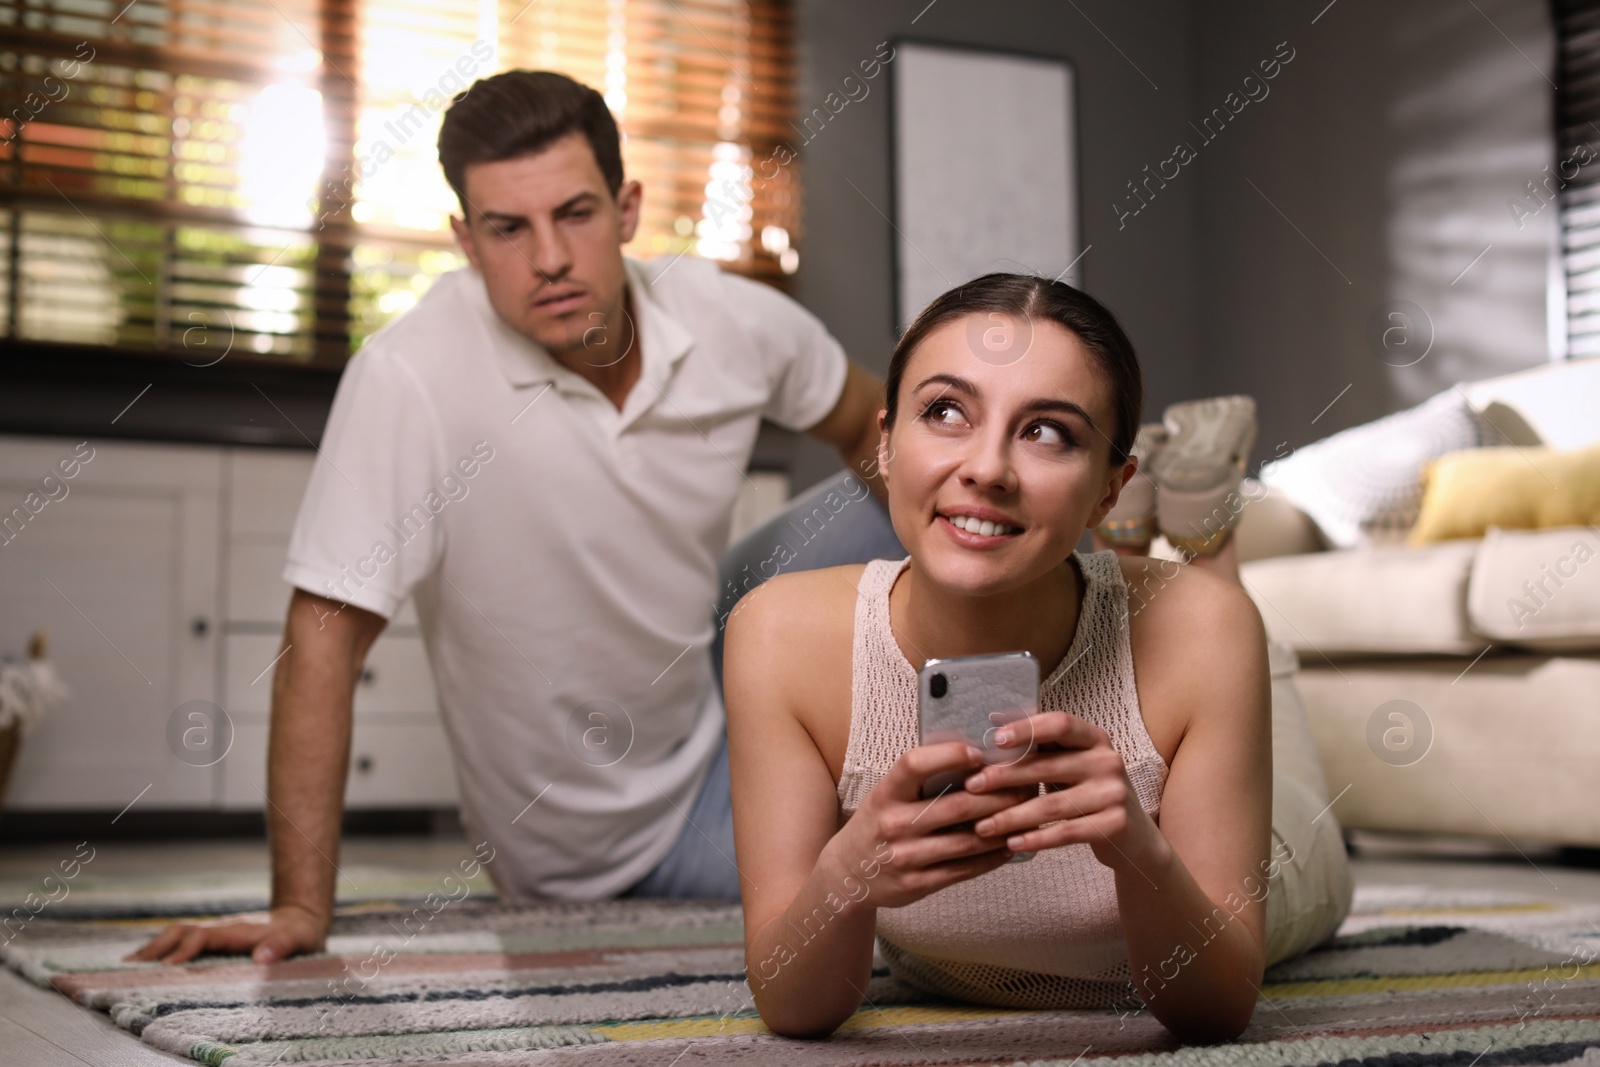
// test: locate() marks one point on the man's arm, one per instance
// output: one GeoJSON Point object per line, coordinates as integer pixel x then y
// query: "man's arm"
{"type": "Point", "coordinates": [852, 426]}
{"type": "Point", "coordinates": [308, 755]}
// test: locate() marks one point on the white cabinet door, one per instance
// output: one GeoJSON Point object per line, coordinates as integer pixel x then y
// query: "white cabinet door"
{"type": "Point", "coordinates": [265, 487]}
{"type": "Point", "coordinates": [398, 740]}
{"type": "Point", "coordinates": [395, 762]}
{"type": "Point", "coordinates": [264, 490]}
{"type": "Point", "coordinates": [118, 564]}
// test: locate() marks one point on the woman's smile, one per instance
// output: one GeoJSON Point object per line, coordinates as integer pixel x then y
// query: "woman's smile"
{"type": "Point", "coordinates": [979, 528]}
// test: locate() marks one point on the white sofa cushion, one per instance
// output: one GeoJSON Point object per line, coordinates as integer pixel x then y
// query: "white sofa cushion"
{"type": "Point", "coordinates": [1556, 403]}
{"type": "Point", "coordinates": [1270, 525]}
{"type": "Point", "coordinates": [1368, 601]}
{"type": "Point", "coordinates": [1365, 482]}
{"type": "Point", "coordinates": [1537, 589]}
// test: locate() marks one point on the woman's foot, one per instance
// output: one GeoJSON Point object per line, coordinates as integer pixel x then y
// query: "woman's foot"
{"type": "Point", "coordinates": [1190, 465]}
{"type": "Point", "coordinates": [1130, 526]}
{"type": "Point", "coordinates": [1199, 467]}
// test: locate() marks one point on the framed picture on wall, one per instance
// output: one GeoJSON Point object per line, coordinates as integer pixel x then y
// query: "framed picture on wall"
{"type": "Point", "coordinates": [985, 171]}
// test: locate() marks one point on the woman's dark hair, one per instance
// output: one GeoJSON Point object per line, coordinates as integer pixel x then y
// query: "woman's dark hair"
{"type": "Point", "coordinates": [521, 112]}
{"type": "Point", "coordinates": [1038, 299]}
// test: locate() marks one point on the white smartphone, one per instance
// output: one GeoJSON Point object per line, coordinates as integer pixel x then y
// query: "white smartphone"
{"type": "Point", "coordinates": [968, 698]}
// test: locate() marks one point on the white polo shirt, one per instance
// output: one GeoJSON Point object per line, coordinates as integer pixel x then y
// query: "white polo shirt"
{"type": "Point", "coordinates": [562, 553]}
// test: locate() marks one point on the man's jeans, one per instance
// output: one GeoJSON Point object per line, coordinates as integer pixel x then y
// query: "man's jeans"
{"type": "Point", "coordinates": [701, 864]}
{"type": "Point", "coordinates": [845, 525]}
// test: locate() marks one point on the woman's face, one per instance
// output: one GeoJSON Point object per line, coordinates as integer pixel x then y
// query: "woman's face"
{"type": "Point", "coordinates": [1023, 443]}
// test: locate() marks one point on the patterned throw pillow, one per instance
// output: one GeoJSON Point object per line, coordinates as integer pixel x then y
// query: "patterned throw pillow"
{"type": "Point", "coordinates": [1364, 485]}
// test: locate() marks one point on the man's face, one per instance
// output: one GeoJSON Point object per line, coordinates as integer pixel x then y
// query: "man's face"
{"type": "Point", "coordinates": [547, 236]}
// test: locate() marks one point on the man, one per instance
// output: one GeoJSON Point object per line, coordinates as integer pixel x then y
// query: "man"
{"type": "Point", "coordinates": [544, 453]}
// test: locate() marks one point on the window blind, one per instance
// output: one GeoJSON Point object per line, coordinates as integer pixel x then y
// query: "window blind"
{"type": "Point", "coordinates": [1576, 174]}
{"type": "Point", "coordinates": [259, 177]}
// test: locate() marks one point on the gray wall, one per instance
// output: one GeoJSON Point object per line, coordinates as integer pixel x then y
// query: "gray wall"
{"type": "Point", "coordinates": [1145, 272]}
{"type": "Point", "coordinates": [1378, 165]}
{"type": "Point", "coordinates": [1388, 149]}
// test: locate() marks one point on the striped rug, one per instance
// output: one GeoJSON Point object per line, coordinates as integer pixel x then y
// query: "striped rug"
{"type": "Point", "coordinates": [1415, 977]}
{"type": "Point", "coordinates": [216, 892]}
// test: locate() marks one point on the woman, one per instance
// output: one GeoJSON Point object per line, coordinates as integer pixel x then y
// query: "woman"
{"type": "Point", "coordinates": [1171, 865]}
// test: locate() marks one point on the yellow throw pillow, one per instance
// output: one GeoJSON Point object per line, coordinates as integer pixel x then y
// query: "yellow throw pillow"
{"type": "Point", "coordinates": [1465, 493]}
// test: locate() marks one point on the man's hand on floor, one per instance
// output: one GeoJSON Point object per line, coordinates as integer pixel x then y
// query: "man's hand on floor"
{"type": "Point", "coordinates": [268, 937]}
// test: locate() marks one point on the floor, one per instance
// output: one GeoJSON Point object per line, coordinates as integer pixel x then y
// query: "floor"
{"type": "Point", "coordinates": [39, 1028]}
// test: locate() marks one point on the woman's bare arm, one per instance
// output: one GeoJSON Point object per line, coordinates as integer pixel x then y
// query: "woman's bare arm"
{"type": "Point", "coordinates": [810, 893]}
{"type": "Point", "coordinates": [1201, 976]}
{"type": "Point", "coordinates": [784, 817]}
{"type": "Point", "coordinates": [1190, 890]}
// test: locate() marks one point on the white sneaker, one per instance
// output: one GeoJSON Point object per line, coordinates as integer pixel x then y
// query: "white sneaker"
{"type": "Point", "coordinates": [1199, 467]}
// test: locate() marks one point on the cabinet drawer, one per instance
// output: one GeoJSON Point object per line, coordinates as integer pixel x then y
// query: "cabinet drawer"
{"type": "Point", "coordinates": [393, 764]}
{"type": "Point", "coordinates": [267, 485]}
{"type": "Point", "coordinates": [396, 679]}
{"type": "Point", "coordinates": [258, 594]}
{"type": "Point", "coordinates": [256, 590]}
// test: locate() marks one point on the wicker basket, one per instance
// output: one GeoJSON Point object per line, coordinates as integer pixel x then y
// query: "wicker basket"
{"type": "Point", "coordinates": [11, 732]}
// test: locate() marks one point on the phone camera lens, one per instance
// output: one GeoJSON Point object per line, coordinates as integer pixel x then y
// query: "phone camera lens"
{"type": "Point", "coordinates": [938, 685]}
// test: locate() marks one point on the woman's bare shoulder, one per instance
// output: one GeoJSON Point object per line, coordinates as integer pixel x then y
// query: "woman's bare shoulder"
{"type": "Point", "coordinates": [1195, 636]}
{"type": "Point", "coordinates": [795, 618]}
{"type": "Point", "coordinates": [790, 642]}
{"type": "Point", "coordinates": [800, 598]}
{"type": "Point", "coordinates": [1164, 594]}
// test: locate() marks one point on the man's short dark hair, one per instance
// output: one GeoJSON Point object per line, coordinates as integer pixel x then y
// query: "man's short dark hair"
{"type": "Point", "coordinates": [521, 112]}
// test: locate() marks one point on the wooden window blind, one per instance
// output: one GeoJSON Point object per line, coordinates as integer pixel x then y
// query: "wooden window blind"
{"type": "Point", "coordinates": [191, 177]}
{"type": "Point", "coordinates": [1576, 173]}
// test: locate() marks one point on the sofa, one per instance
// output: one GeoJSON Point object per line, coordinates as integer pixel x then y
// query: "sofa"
{"type": "Point", "coordinates": [1453, 687]}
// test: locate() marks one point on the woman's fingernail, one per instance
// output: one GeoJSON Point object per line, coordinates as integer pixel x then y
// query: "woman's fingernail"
{"type": "Point", "coordinates": [1014, 843]}
{"type": "Point", "coordinates": [984, 827]}
{"type": "Point", "coordinates": [1002, 737]}
{"type": "Point", "coordinates": [974, 783]}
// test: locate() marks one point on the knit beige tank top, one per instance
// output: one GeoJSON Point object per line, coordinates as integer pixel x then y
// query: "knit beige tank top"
{"type": "Point", "coordinates": [1044, 933]}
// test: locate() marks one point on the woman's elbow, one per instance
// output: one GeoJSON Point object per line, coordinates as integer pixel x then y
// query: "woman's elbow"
{"type": "Point", "coordinates": [800, 1031]}
{"type": "Point", "coordinates": [1216, 1030]}
{"type": "Point", "coordinates": [805, 1024]}
{"type": "Point", "coordinates": [1217, 1021]}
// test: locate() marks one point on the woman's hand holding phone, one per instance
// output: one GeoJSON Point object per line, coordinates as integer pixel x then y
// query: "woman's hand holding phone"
{"type": "Point", "coordinates": [915, 845]}
{"type": "Point", "coordinates": [1088, 797]}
